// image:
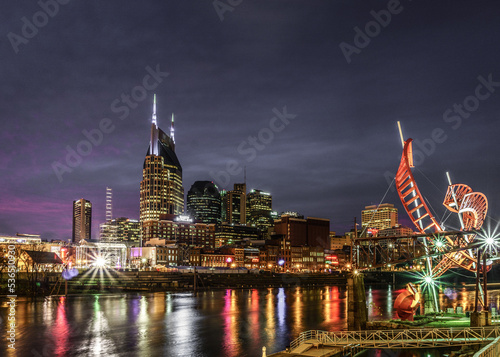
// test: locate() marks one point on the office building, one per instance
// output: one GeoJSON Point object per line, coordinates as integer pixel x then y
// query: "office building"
{"type": "Point", "coordinates": [379, 217]}
{"type": "Point", "coordinates": [161, 185]}
{"type": "Point", "coordinates": [181, 229]}
{"type": "Point", "coordinates": [234, 205]}
{"type": "Point", "coordinates": [204, 202]}
{"type": "Point", "coordinates": [82, 220]}
{"type": "Point", "coordinates": [121, 230]}
{"type": "Point", "coordinates": [259, 210]}
{"type": "Point", "coordinates": [234, 234]}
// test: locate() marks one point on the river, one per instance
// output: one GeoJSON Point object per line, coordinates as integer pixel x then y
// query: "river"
{"type": "Point", "coordinates": [224, 323]}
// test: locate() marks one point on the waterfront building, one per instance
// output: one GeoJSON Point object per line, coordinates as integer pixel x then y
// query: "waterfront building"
{"type": "Point", "coordinates": [82, 220]}
{"type": "Point", "coordinates": [161, 190]}
{"type": "Point", "coordinates": [234, 205]}
{"type": "Point", "coordinates": [167, 256]}
{"type": "Point", "coordinates": [269, 257]}
{"type": "Point", "coordinates": [237, 253]}
{"type": "Point", "coordinates": [204, 202]}
{"type": "Point", "coordinates": [251, 257]}
{"type": "Point", "coordinates": [313, 259]}
{"type": "Point", "coordinates": [143, 257]}
{"type": "Point", "coordinates": [111, 255]}
{"type": "Point", "coordinates": [259, 210]}
{"type": "Point", "coordinates": [216, 259]}
{"type": "Point", "coordinates": [121, 230]}
{"type": "Point", "coordinates": [307, 259]}
{"type": "Point", "coordinates": [379, 217]}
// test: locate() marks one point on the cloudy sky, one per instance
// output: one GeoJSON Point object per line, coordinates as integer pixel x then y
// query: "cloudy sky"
{"type": "Point", "coordinates": [339, 73]}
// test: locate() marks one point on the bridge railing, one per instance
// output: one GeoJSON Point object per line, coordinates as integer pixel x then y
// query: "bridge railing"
{"type": "Point", "coordinates": [491, 350]}
{"type": "Point", "coordinates": [410, 338]}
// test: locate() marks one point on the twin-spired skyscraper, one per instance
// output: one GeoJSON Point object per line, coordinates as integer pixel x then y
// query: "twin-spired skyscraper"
{"type": "Point", "coordinates": [161, 185]}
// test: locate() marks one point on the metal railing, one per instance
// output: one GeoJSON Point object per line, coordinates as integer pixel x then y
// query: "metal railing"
{"type": "Point", "coordinates": [411, 338]}
{"type": "Point", "coordinates": [491, 350]}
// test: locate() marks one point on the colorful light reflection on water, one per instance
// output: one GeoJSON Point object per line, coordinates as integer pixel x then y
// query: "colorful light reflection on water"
{"type": "Point", "coordinates": [227, 323]}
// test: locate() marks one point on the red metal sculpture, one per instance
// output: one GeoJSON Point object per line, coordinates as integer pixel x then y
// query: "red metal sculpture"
{"type": "Point", "coordinates": [407, 303]}
{"type": "Point", "coordinates": [471, 207]}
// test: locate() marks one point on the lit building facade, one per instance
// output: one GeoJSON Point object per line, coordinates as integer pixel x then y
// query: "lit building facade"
{"type": "Point", "coordinates": [113, 255]}
{"type": "Point", "coordinates": [259, 210]}
{"type": "Point", "coordinates": [161, 185]}
{"type": "Point", "coordinates": [204, 202]}
{"type": "Point", "coordinates": [233, 234]}
{"type": "Point", "coordinates": [82, 220]}
{"type": "Point", "coordinates": [379, 217]}
{"type": "Point", "coordinates": [122, 230]}
{"type": "Point", "coordinates": [396, 231]}
{"type": "Point", "coordinates": [234, 205]}
{"type": "Point", "coordinates": [182, 230]}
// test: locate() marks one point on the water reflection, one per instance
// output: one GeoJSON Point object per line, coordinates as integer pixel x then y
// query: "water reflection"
{"type": "Point", "coordinates": [225, 323]}
{"type": "Point", "coordinates": [60, 330]}
{"type": "Point", "coordinates": [231, 329]}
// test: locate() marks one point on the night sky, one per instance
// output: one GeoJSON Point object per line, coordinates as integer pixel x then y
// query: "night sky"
{"type": "Point", "coordinates": [230, 70]}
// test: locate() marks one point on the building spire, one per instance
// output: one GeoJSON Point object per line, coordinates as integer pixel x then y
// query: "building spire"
{"type": "Point", "coordinates": [154, 130]}
{"type": "Point", "coordinates": [172, 134]}
{"type": "Point", "coordinates": [153, 119]}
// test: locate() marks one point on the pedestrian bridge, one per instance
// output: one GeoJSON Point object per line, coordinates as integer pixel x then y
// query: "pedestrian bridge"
{"type": "Point", "coordinates": [394, 339]}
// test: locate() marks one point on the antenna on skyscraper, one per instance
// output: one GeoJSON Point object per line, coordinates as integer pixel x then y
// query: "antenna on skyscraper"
{"type": "Point", "coordinates": [154, 130]}
{"type": "Point", "coordinates": [109, 204]}
{"type": "Point", "coordinates": [172, 129]}
{"type": "Point", "coordinates": [245, 174]}
{"type": "Point", "coordinates": [153, 118]}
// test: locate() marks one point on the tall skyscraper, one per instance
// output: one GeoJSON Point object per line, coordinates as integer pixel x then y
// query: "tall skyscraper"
{"type": "Point", "coordinates": [259, 208]}
{"type": "Point", "coordinates": [204, 202]}
{"type": "Point", "coordinates": [234, 204]}
{"type": "Point", "coordinates": [161, 185]}
{"type": "Point", "coordinates": [82, 220]}
{"type": "Point", "coordinates": [379, 217]}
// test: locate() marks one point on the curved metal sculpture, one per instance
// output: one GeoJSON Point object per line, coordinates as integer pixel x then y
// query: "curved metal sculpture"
{"type": "Point", "coordinates": [410, 194]}
{"type": "Point", "coordinates": [470, 206]}
{"type": "Point", "coordinates": [407, 302]}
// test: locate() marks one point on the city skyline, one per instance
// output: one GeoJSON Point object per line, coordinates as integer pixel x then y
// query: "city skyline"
{"type": "Point", "coordinates": [336, 94]}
